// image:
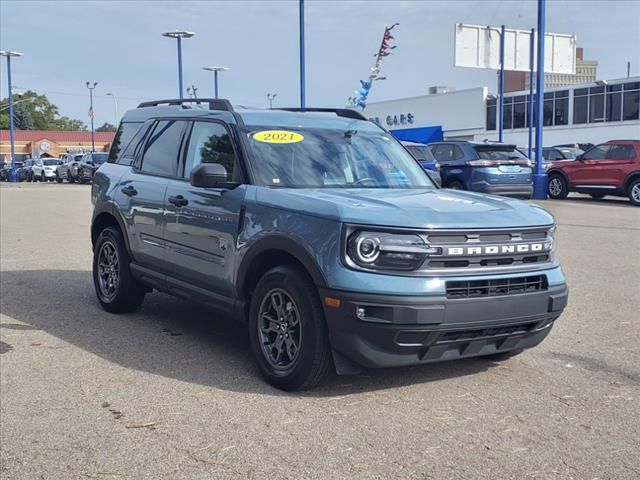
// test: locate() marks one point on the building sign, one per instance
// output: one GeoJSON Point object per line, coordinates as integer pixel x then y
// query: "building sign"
{"type": "Point", "coordinates": [394, 120]}
{"type": "Point", "coordinates": [45, 146]}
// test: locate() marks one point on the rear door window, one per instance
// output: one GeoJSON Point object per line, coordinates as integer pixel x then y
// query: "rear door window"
{"type": "Point", "coordinates": [621, 152]}
{"type": "Point", "coordinates": [161, 150]}
{"type": "Point", "coordinates": [443, 153]}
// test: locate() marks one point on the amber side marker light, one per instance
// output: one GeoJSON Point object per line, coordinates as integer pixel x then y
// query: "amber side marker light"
{"type": "Point", "coordinates": [332, 302]}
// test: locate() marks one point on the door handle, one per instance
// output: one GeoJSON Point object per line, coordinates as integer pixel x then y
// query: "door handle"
{"type": "Point", "coordinates": [129, 191]}
{"type": "Point", "coordinates": [178, 200]}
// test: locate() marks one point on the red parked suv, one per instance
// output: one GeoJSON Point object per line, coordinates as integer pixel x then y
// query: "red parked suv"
{"type": "Point", "coordinates": [611, 168]}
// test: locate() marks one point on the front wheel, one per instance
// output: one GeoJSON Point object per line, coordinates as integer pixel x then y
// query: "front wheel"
{"type": "Point", "coordinates": [634, 192]}
{"type": "Point", "coordinates": [117, 290]}
{"type": "Point", "coordinates": [287, 330]}
{"type": "Point", "coordinates": [558, 188]}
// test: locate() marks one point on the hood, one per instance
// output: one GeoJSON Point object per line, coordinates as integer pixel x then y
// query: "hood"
{"type": "Point", "coordinates": [408, 208]}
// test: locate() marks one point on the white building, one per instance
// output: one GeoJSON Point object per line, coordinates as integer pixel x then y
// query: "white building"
{"type": "Point", "coordinates": [588, 113]}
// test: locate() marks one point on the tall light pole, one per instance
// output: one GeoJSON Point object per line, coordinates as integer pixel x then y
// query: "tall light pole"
{"type": "Point", "coordinates": [215, 71]}
{"type": "Point", "coordinates": [179, 35]}
{"type": "Point", "coordinates": [13, 176]}
{"type": "Point", "coordinates": [271, 97]}
{"type": "Point", "coordinates": [91, 87]}
{"type": "Point", "coordinates": [540, 178]}
{"type": "Point", "coordinates": [301, 32]}
{"type": "Point", "coordinates": [115, 107]}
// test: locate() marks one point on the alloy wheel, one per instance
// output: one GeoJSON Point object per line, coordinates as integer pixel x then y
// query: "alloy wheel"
{"type": "Point", "coordinates": [108, 269]}
{"type": "Point", "coordinates": [555, 186]}
{"type": "Point", "coordinates": [635, 193]}
{"type": "Point", "coordinates": [279, 329]}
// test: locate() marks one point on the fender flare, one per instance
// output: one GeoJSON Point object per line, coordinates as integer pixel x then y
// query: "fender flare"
{"type": "Point", "coordinates": [286, 245]}
{"type": "Point", "coordinates": [111, 209]}
{"type": "Point", "coordinates": [628, 179]}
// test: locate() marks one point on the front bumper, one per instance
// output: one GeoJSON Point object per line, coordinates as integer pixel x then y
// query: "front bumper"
{"type": "Point", "coordinates": [509, 190]}
{"type": "Point", "coordinates": [408, 330]}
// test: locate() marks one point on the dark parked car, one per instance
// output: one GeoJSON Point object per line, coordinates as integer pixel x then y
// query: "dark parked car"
{"type": "Point", "coordinates": [322, 232]}
{"type": "Point", "coordinates": [421, 153]}
{"type": "Point", "coordinates": [496, 168]}
{"type": "Point", "coordinates": [89, 163]}
{"type": "Point", "coordinates": [69, 169]}
{"type": "Point", "coordinates": [555, 154]}
{"type": "Point", "coordinates": [611, 168]}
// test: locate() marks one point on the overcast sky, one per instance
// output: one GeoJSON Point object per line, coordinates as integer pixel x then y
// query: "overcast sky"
{"type": "Point", "coordinates": [118, 44]}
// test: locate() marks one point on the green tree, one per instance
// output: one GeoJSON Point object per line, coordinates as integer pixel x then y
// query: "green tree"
{"type": "Point", "coordinates": [44, 115]}
{"type": "Point", "coordinates": [22, 118]}
{"type": "Point", "coordinates": [106, 127]}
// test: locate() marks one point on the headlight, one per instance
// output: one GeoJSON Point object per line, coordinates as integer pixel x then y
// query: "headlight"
{"type": "Point", "coordinates": [388, 251]}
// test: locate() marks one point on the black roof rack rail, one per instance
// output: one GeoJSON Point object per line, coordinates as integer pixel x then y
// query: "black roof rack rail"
{"type": "Point", "coordinates": [214, 103]}
{"type": "Point", "coordinates": [341, 112]}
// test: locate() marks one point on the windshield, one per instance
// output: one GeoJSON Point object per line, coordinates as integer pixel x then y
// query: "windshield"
{"type": "Point", "coordinates": [99, 158]}
{"type": "Point", "coordinates": [330, 158]}
{"type": "Point", "coordinates": [499, 152]}
{"type": "Point", "coordinates": [48, 163]}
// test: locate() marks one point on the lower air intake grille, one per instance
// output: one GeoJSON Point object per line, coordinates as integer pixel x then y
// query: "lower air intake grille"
{"type": "Point", "coordinates": [496, 287]}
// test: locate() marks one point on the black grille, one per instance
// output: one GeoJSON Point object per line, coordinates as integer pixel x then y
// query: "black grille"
{"type": "Point", "coordinates": [496, 287]}
{"type": "Point", "coordinates": [469, 335]}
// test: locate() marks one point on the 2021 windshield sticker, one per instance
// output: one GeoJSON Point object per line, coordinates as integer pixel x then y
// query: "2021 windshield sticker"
{"type": "Point", "coordinates": [277, 136]}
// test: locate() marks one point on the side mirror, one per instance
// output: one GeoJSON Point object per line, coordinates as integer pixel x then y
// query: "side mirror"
{"type": "Point", "coordinates": [580, 158]}
{"type": "Point", "coordinates": [211, 175]}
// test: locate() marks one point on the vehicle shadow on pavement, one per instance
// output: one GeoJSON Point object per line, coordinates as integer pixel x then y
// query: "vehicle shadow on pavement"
{"type": "Point", "coordinates": [173, 338]}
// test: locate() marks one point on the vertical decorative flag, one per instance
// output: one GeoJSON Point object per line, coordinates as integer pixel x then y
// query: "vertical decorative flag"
{"type": "Point", "coordinates": [91, 112]}
{"type": "Point", "coordinates": [360, 98]}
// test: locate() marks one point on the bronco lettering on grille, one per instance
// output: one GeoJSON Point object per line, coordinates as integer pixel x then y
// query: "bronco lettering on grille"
{"type": "Point", "coordinates": [500, 249]}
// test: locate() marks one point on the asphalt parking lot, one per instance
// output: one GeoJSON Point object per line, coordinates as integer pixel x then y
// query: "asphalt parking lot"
{"type": "Point", "coordinates": [171, 391]}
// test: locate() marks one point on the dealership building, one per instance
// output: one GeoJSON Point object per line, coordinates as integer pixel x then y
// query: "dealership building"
{"type": "Point", "coordinates": [586, 113]}
{"type": "Point", "coordinates": [49, 143]}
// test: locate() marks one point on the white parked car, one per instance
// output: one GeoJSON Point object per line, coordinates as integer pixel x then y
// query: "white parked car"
{"type": "Point", "coordinates": [44, 169]}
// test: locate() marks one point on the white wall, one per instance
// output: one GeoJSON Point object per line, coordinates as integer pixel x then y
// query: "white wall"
{"type": "Point", "coordinates": [461, 112]}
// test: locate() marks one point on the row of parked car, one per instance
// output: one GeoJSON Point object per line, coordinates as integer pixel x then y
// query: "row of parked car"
{"type": "Point", "coordinates": [72, 167]}
{"type": "Point", "coordinates": [610, 168]}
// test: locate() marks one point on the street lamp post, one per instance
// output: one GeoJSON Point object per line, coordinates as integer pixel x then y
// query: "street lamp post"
{"type": "Point", "coordinates": [91, 87]}
{"type": "Point", "coordinates": [302, 61]}
{"type": "Point", "coordinates": [179, 35]}
{"type": "Point", "coordinates": [115, 107]}
{"type": "Point", "coordinates": [215, 71]}
{"type": "Point", "coordinates": [271, 97]}
{"type": "Point", "coordinates": [13, 176]}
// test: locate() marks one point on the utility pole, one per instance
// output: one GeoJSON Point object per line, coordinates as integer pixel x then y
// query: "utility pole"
{"type": "Point", "coordinates": [13, 176]}
{"type": "Point", "coordinates": [540, 178]}
{"type": "Point", "coordinates": [301, 33]}
{"type": "Point", "coordinates": [91, 88]}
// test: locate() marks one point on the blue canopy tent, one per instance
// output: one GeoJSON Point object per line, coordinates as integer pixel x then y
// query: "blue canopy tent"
{"type": "Point", "coordinates": [420, 134]}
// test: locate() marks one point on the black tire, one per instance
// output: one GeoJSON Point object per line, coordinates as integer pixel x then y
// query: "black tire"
{"type": "Point", "coordinates": [58, 179]}
{"type": "Point", "coordinates": [304, 367]}
{"type": "Point", "coordinates": [127, 294]}
{"type": "Point", "coordinates": [70, 179]}
{"type": "Point", "coordinates": [634, 192]}
{"type": "Point", "coordinates": [597, 196]}
{"type": "Point", "coordinates": [497, 357]}
{"type": "Point", "coordinates": [558, 188]}
{"type": "Point", "coordinates": [456, 185]}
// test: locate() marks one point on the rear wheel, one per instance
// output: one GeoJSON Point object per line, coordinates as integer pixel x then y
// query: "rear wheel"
{"type": "Point", "coordinates": [287, 329]}
{"type": "Point", "coordinates": [634, 192]}
{"type": "Point", "coordinates": [117, 290]}
{"type": "Point", "coordinates": [558, 188]}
